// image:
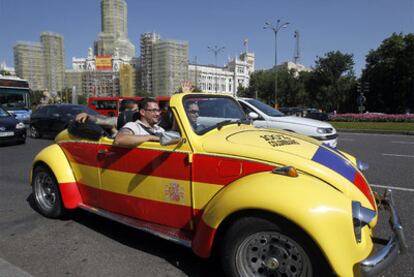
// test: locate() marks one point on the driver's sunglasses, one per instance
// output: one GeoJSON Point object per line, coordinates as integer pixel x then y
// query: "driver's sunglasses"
{"type": "Point", "coordinates": [194, 111]}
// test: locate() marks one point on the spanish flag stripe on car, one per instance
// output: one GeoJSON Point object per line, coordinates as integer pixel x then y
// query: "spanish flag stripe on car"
{"type": "Point", "coordinates": [177, 216]}
{"type": "Point", "coordinates": [335, 162]}
{"type": "Point", "coordinates": [345, 168]}
{"type": "Point", "coordinates": [172, 165]}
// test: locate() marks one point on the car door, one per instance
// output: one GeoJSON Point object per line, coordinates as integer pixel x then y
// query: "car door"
{"type": "Point", "coordinates": [38, 117]}
{"type": "Point", "coordinates": [149, 182]}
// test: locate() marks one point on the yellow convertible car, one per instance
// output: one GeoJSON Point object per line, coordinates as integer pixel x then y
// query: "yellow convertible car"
{"type": "Point", "coordinates": [266, 202]}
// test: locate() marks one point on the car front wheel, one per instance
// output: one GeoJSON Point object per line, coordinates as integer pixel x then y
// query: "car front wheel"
{"type": "Point", "coordinates": [255, 246]}
{"type": "Point", "coordinates": [46, 193]}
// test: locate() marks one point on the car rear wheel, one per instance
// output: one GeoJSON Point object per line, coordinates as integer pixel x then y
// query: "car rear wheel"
{"type": "Point", "coordinates": [34, 133]}
{"type": "Point", "coordinates": [46, 193]}
{"type": "Point", "coordinates": [255, 246]}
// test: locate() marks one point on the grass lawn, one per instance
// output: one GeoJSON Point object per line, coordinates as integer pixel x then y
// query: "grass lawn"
{"type": "Point", "coordinates": [377, 126]}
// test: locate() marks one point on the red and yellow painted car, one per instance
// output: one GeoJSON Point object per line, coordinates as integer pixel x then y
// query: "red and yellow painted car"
{"type": "Point", "coordinates": [268, 202]}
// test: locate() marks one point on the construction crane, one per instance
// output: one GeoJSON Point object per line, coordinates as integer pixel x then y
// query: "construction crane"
{"type": "Point", "coordinates": [296, 55]}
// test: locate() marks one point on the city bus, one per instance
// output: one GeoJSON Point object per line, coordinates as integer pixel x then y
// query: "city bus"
{"type": "Point", "coordinates": [15, 97]}
{"type": "Point", "coordinates": [110, 105]}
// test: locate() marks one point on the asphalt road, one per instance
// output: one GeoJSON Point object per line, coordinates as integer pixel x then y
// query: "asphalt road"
{"type": "Point", "coordinates": [87, 245]}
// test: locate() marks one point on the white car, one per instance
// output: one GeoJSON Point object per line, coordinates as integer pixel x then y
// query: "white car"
{"type": "Point", "coordinates": [269, 117]}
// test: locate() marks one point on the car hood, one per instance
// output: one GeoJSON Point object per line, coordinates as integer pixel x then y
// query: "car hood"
{"type": "Point", "coordinates": [301, 121]}
{"type": "Point", "coordinates": [9, 123]}
{"type": "Point", "coordinates": [282, 148]}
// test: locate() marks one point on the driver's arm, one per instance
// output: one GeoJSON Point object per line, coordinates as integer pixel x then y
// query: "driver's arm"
{"type": "Point", "coordinates": [126, 138]}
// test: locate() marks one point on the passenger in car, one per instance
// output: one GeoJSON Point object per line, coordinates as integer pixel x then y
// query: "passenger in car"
{"type": "Point", "coordinates": [193, 112]}
{"type": "Point", "coordinates": [143, 129]}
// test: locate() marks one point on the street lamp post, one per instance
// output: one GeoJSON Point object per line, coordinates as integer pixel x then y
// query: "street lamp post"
{"type": "Point", "coordinates": [275, 29]}
{"type": "Point", "coordinates": [216, 50]}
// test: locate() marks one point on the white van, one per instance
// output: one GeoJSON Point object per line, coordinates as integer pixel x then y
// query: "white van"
{"type": "Point", "coordinates": [269, 117]}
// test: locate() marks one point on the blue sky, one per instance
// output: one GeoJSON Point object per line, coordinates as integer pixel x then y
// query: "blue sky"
{"type": "Point", "coordinates": [350, 26]}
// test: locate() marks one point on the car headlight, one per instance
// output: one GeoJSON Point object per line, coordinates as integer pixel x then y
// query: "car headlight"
{"type": "Point", "coordinates": [362, 165]}
{"type": "Point", "coordinates": [360, 217]}
{"type": "Point", "coordinates": [20, 125]}
{"type": "Point", "coordinates": [324, 130]}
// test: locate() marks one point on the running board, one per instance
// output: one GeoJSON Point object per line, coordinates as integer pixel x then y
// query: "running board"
{"type": "Point", "coordinates": [168, 233]}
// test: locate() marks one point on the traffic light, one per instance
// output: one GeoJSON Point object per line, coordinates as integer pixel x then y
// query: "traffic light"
{"type": "Point", "coordinates": [366, 87]}
{"type": "Point", "coordinates": [358, 87]}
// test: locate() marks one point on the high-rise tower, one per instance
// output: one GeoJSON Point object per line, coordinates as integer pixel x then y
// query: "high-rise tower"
{"type": "Point", "coordinates": [54, 57]}
{"type": "Point", "coordinates": [114, 30]}
{"type": "Point", "coordinates": [147, 43]}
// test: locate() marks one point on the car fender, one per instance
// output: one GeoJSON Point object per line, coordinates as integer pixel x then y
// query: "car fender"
{"type": "Point", "coordinates": [54, 158]}
{"type": "Point", "coordinates": [321, 211]}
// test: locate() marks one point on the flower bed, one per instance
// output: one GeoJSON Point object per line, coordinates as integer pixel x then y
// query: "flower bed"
{"type": "Point", "coordinates": [372, 117]}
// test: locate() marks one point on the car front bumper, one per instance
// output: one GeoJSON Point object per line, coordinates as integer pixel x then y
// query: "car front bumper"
{"type": "Point", "coordinates": [330, 140]}
{"type": "Point", "coordinates": [18, 135]}
{"type": "Point", "coordinates": [385, 257]}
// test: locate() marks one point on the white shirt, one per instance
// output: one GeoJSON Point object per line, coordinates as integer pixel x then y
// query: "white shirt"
{"type": "Point", "coordinates": [137, 129]}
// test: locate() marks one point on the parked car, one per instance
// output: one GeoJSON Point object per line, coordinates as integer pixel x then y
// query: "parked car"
{"type": "Point", "coordinates": [269, 117]}
{"type": "Point", "coordinates": [50, 120]}
{"type": "Point", "coordinates": [11, 129]}
{"type": "Point", "coordinates": [269, 202]}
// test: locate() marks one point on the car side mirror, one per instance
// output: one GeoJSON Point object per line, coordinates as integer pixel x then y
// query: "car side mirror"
{"type": "Point", "coordinates": [170, 137]}
{"type": "Point", "coordinates": [253, 115]}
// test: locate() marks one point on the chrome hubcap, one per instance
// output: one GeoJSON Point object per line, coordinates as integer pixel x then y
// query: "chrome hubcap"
{"type": "Point", "coordinates": [45, 192]}
{"type": "Point", "coordinates": [270, 254]}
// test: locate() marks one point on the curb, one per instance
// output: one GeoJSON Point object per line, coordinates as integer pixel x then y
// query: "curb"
{"type": "Point", "coordinates": [384, 132]}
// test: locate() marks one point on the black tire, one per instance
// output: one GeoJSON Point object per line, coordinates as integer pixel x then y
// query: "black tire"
{"type": "Point", "coordinates": [34, 133]}
{"type": "Point", "coordinates": [46, 193]}
{"type": "Point", "coordinates": [255, 246]}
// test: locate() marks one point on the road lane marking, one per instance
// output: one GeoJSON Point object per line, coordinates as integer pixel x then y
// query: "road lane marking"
{"type": "Point", "coordinates": [396, 155]}
{"type": "Point", "coordinates": [403, 142]}
{"type": "Point", "coordinates": [392, 187]}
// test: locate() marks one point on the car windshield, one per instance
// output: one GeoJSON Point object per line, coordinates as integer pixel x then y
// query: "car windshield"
{"type": "Point", "coordinates": [264, 108]}
{"type": "Point", "coordinates": [74, 110]}
{"type": "Point", "coordinates": [3, 113]}
{"type": "Point", "coordinates": [205, 112]}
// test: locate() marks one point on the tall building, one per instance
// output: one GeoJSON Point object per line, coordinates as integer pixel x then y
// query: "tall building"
{"type": "Point", "coordinates": [100, 75]}
{"type": "Point", "coordinates": [147, 42]}
{"type": "Point", "coordinates": [42, 64]}
{"type": "Point", "coordinates": [169, 66]}
{"type": "Point", "coordinates": [29, 63]}
{"type": "Point", "coordinates": [54, 60]}
{"type": "Point", "coordinates": [114, 30]}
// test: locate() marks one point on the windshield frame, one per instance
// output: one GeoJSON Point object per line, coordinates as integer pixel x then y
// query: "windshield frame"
{"type": "Point", "coordinates": [243, 117]}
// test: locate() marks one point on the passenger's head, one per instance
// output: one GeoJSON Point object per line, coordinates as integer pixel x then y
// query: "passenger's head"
{"type": "Point", "coordinates": [149, 111]}
{"type": "Point", "coordinates": [192, 110]}
{"type": "Point", "coordinates": [128, 105]}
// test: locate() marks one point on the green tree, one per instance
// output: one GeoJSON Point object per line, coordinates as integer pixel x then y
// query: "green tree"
{"type": "Point", "coordinates": [331, 85]}
{"type": "Point", "coordinates": [390, 73]}
{"type": "Point", "coordinates": [291, 88]}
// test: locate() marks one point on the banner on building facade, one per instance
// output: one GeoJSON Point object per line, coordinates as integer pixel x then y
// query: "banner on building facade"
{"type": "Point", "coordinates": [103, 62]}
